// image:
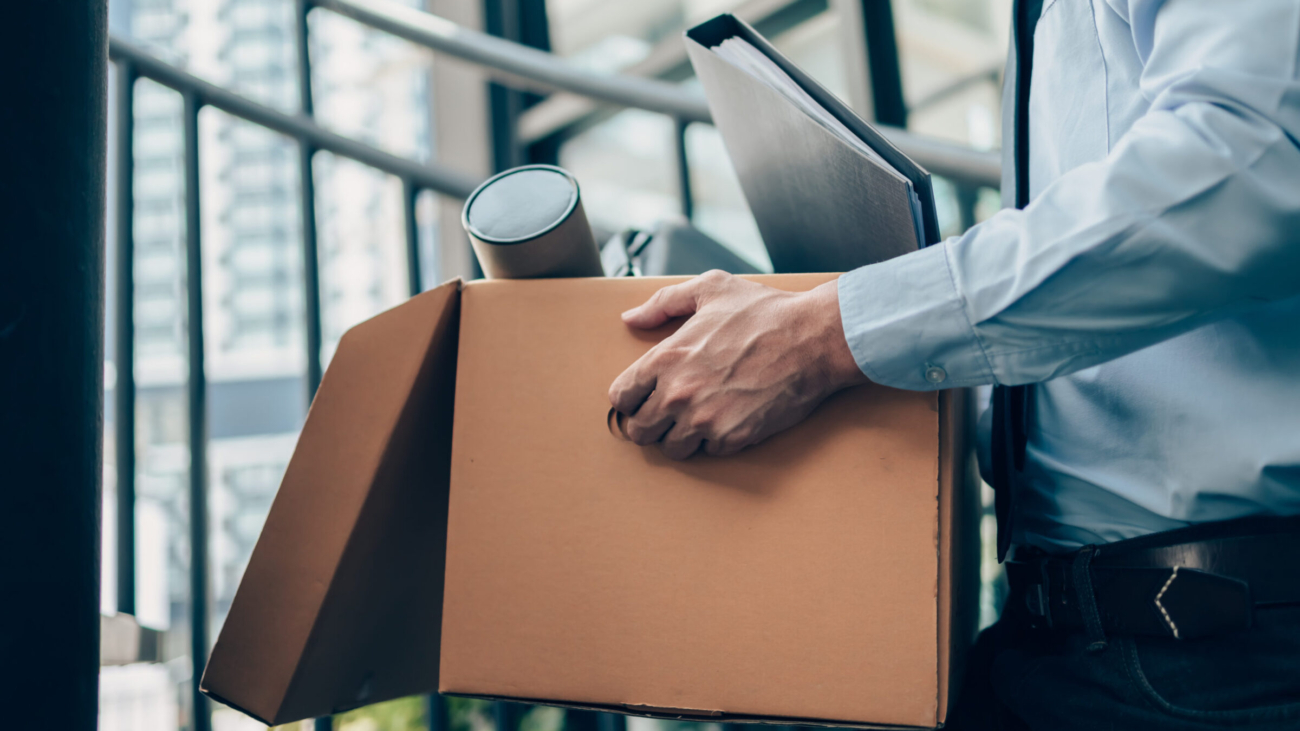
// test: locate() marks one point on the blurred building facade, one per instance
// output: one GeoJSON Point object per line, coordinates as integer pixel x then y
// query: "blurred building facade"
{"type": "Point", "coordinates": [368, 87]}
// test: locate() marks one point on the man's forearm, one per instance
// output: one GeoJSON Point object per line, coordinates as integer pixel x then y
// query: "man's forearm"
{"type": "Point", "coordinates": [1189, 218]}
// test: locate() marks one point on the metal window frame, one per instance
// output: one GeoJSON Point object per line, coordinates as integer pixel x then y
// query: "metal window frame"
{"type": "Point", "coordinates": [133, 64]}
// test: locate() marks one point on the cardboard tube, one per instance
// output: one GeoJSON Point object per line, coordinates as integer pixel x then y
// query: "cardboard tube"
{"type": "Point", "coordinates": [528, 222]}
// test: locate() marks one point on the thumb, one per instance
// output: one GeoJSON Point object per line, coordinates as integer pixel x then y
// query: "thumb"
{"type": "Point", "coordinates": [678, 300]}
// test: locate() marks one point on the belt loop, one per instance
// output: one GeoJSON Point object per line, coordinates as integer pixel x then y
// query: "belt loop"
{"type": "Point", "coordinates": [1082, 571]}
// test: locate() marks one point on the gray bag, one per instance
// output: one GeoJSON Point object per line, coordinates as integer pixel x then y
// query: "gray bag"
{"type": "Point", "coordinates": [670, 248]}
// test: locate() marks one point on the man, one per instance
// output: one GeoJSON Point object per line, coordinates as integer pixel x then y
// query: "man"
{"type": "Point", "coordinates": [1148, 283]}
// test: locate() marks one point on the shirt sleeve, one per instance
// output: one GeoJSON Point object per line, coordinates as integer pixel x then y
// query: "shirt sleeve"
{"type": "Point", "coordinates": [1195, 213]}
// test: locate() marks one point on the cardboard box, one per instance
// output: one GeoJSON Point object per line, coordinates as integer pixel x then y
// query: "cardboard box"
{"type": "Point", "coordinates": [819, 577]}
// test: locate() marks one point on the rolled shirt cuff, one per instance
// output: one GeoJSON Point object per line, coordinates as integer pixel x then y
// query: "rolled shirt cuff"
{"type": "Point", "coordinates": [907, 325]}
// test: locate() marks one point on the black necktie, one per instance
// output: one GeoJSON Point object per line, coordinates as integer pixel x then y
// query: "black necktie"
{"type": "Point", "coordinates": [1011, 403]}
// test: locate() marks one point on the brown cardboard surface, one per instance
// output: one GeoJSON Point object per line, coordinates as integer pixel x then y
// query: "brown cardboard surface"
{"type": "Point", "coordinates": [807, 580]}
{"type": "Point", "coordinates": [341, 600]}
{"type": "Point", "coordinates": [799, 579]}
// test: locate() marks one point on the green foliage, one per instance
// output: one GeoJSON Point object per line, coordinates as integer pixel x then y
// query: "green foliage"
{"type": "Point", "coordinates": [470, 714]}
{"type": "Point", "coordinates": [403, 714]}
{"type": "Point", "coordinates": [543, 718]}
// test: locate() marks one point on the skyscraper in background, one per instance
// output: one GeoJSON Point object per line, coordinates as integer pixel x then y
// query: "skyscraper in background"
{"type": "Point", "coordinates": [366, 86]}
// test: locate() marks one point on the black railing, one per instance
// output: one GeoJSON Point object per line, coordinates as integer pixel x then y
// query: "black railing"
{"type": "Point", "coordinates": [132, 64]}
{"type": "Point", "coordinates": [124, 335]}
{"type": "Point", "coordinates": [514, 64]}
{"type": "Point", "coordinates": [530, 68]}
{"type": "Point", "coordinates": [197, 398]}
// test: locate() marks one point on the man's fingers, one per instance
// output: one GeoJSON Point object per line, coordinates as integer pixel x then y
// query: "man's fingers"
{"type": "Point", "coordinates": [650, 422]}
{"type": "Point", "coordinates": [632, 387]}
{"type": "Point", "coordinates": [678, 300]}
{"type": "Point", "coordinates": [719, 448]}
{"type": "Point", "coordinates": [681, 442]}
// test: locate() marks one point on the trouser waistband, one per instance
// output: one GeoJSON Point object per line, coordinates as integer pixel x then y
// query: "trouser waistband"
{"type": "Point", "coordinates": [1192, 582]}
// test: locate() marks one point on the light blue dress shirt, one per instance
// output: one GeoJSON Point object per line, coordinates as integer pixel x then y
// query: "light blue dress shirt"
{"type": "Point", "coordinates": [1152, 285]}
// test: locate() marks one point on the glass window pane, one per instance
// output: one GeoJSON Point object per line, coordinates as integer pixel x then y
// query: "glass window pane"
{"type": "Point", "coordinates": [252, 256]}
{"type": "Point", "coordinates": [627, 171]}
{"type": "Point", "coordinates": [951, 53]}
{"type": "Point", "coordinates": [816, 47]}
{"type": "Point", "coordinates": [361, 234]}
{"type": "Point", "coordinates": [244, 45]}
{"type": "Point", "coordinates": [158, 696]}
{"type": "Point", "coordinates": [134, 697]}
{"type": "Point", "coordinates": [428, 209]}
{"type": "Point", "coordinates": [253, 298]}
{"type": "Point", "coordinates": [371, 86]}
{"type": "Point", "coordinates": [253, 340]}
{"type": "Point", "coordinates": [654, 724]}
{"type": "Point", "coordinates": [607, 36]}
{"type": "Point", "coordinates": [720, 207]}
{"type": "Point", "coordinates": [108, 500]}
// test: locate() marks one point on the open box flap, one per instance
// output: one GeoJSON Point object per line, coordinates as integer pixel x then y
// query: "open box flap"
{"type": "Point", "coordinates": [341, 602]}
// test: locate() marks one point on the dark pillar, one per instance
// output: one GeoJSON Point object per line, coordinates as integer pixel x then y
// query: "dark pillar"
{"type": "Point", "coordinates": [882, 55]}
{"type": "Point", "coordinates": [575, 720]}
{"type": "Point", "coordinates": [521, 21]}
{"type": "Point", "coordinates": [508, 715]}
{"type": "Point", "coordinates": [683, 162]}
{"type": "Point", "coordinates": [53, 87]}
{"type": "Point", "coordinates": [968, 198]}
{"type": "Point", "coordinates": [435, 713]}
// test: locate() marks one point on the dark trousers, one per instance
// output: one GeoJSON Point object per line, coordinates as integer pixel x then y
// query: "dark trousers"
{"type": "Point", "coordinates": [1018, 678]}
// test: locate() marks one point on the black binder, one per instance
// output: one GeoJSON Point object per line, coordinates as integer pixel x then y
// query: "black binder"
{"type": "Point", "coordinates": [820, 204]}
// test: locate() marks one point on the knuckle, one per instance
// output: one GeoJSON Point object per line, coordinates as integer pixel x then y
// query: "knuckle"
{"type": "Point", "coordinates": [704, 424]}
{"type": "Point", "coordinates": [636, 432]}
{"type": "Point", "coordinates": [642, 438]}
{"type": "Point", "coordinates": [735, 440]}
{"type": "Point", "coordinates": [742, 438]}
{"type": "Point", "coordinates": [655, 360]}
{"type": "Point", "coordinates": [682, 446]}
{"type": "Point", "coordinates": [626, 404]}
{"type": "Point", "coordinates": [673, 353]}
{"type": "Point", "coordinates": [664, 294]}
{"type": "Point", "coordinates": [674, 398]}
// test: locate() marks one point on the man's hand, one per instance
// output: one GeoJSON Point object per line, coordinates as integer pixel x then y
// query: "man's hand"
{"type": "Point", "coordinates": [750, 362]}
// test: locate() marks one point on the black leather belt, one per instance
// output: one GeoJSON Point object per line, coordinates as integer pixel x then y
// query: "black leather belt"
{"type": "Point", "coordinates": [1193, 582]}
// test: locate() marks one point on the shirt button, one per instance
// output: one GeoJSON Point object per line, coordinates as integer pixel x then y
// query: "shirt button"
{"type": "Point", "coordinates": [935, 374]}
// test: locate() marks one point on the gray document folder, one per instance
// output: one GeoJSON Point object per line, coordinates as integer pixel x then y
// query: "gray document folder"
{"type": "Point", "coordinates": [821, 203]}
